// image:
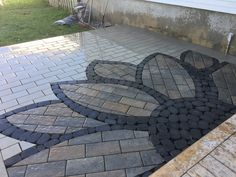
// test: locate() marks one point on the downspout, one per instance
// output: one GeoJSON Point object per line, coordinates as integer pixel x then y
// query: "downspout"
{"type": "Point", "coordinates": [229, 39]}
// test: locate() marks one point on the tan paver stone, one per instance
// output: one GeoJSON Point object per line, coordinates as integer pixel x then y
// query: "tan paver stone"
{"type": "Point", "coordinates": [66, 153]}
{"type": "Point", "coordinates": [151, 106]}
{"type": "Point", "coordinates": [138, 112]}
{"type": "Point", "coordinates": [40, 120]}
{"type": "Point", "coordinates": [87, 91]}
{"type": "Point", "coordinates": [58, 111]}
{"type": "Point", "coordinates": [18, 119]}
{"type": "Point", "coordinates": [115, 106]}
{"type": "Point", "coordinates": [132, 102]}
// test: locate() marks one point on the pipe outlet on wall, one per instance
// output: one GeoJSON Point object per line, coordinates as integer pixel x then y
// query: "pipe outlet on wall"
{"type": "Point", "coordinates": [229, 39]}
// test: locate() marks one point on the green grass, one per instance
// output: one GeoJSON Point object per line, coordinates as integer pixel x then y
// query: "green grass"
{"type": "Point", "coordinates": [27, 20]}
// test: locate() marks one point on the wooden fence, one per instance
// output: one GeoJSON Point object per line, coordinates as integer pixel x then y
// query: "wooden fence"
{"type": "Point", "coordinates": [65, 4]}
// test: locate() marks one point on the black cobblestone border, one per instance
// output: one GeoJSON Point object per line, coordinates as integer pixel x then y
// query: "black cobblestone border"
{"type": "Point", "coordinates": [41, 140]}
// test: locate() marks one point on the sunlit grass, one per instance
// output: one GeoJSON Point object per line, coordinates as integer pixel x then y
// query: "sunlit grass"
{"type": "Point", "coordinates": [26, 20]}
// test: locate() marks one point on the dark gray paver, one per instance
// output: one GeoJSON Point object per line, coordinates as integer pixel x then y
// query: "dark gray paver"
{"type": "Point", "coordinates": [92, 138]}
{"type": "Point", "coordinates": [131, 172]}
{"type": "Point", "coordinates": [127, 160]}
{"type": "Point", "coordinates": [56, 169]}
{"type": "Point", "coordinates": [40, 157]}
{"type": "Point", "coordinates": [117, 135]}
{"type": "Point", "coordinates": [86, 165]}
{"type": "Point", "coordinates": [151, 157]}
{"type": "Point", "coordinates": [136, 145]}
{"type": "Point", "coordinates": [141, 134]}
{"type": "Point", "coordinates": [16, 171]}
{"type": "Point", "coordinates": [69, 121]}
{"type": "Point", "coordinates": [102, 148]}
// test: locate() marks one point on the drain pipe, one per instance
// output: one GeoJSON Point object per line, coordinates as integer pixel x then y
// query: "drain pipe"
{"type": "Point", "coordinates": [229, 39]}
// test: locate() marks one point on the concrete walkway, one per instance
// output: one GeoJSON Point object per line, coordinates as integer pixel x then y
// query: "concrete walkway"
{"type": "Point", "coordinates": [93, 103]}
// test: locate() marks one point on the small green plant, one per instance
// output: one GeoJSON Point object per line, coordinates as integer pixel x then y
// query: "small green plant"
{"type": "Point", "coordinates": [26, 20]}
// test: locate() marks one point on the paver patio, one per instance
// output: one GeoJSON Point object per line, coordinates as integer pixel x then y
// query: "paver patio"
{"type": "Point", "coordinates": [119, 101]}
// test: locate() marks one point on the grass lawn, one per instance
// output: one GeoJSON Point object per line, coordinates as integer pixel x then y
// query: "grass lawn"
{"type": "Point", "coordinates": [27, 20]}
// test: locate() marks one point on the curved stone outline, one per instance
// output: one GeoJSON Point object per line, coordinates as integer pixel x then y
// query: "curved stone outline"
{"type": "Point", "coordinates": [126, 124]}
{"type": "Point", "coordinates": [93, 76]}
{"type": "Point", "coordinates": [95, 114]}
{"type": "Point", "coordinates": [198, 76]}
{"type": "Point", "coordinates": [41, 140]}
{"type": "Point", "coordinates": [90, 72]}
{"type": "Point", "coordinates": [211, 68]}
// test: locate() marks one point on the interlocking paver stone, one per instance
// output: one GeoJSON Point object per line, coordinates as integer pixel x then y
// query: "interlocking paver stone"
{"type": "Point", "coordinates": [40, 157]}
{"type": "Point", "coordinates": [56, 169]}
{"type": "Point", "coordinates": [41, 120]}
{"type": "Point", "coordinates": [116, 173]}
{"type": "Point", "coordinates": [117, 135]}
{"type": "Point", "coordinates": [135, 145]}
{"type": "Point", "coordinates": [86, 165]}
{"type": "Point", "coordinates": [65, 153]}
{"type": "Point", "coordinates": [136, 171]}
{"type": "Point", "coordinates": [92, 138]}
{"type": "Point", "coordinates": [127, 160]}
{"type": "Point", "coordinates": [16, 171]}
{"type": "Point", "coordinates": [103, 148]}
{"type": "Point", "coordinates": [151, 157]}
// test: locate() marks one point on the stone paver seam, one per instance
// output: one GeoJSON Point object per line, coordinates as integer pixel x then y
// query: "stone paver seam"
{"type": "Point", "coordinates": [65, 172]}
{"type": "Point", "coordinates": [141, 159]}
{"type": "Point", "coordinates": [193, 166]}
{"type": "Point", "coordinates": [206, 169]}
{"type": "Point", "coordinates": [222, 163]}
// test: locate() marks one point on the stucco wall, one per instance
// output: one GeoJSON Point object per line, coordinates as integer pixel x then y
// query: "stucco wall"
{"type": "Point", "coordinates": [207, 28]}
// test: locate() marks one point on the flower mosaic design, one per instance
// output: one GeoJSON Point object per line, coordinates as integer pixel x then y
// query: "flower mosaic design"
{"type": "Point", "coordinates": [175, 101]}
